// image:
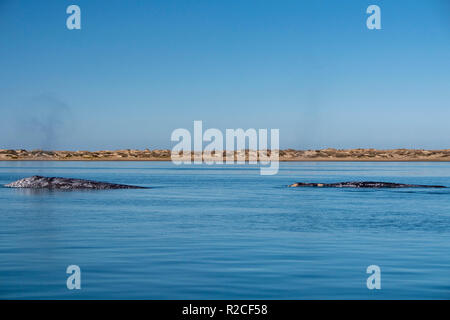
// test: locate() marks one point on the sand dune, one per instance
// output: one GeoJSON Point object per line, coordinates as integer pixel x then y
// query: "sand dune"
{"type": "Point", "coordinates": [284, 155]}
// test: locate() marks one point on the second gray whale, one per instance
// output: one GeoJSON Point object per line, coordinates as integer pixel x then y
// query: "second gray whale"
{"type": "Point", "coordinates": [39, 182]}
{"type": "Point", "coordinates": [363, 184]}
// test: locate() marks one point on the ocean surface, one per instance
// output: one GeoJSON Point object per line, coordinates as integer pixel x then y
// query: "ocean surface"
{"type": "Point", "coordinates": [226, 232]}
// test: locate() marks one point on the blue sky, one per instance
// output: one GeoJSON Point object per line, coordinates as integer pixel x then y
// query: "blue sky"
{"type": "Point", "coordinates": [137, 70]}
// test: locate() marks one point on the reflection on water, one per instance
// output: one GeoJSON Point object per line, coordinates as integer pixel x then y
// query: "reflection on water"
{"type": "Point", "coordinates": [34, 191]}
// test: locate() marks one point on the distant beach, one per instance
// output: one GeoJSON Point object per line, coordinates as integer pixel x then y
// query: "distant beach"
{"type": "Point", "coordinates": [329, 154]}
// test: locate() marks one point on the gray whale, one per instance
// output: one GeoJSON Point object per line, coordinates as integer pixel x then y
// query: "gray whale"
{"type": "Point", "coordinates": [39, 182]}
{"type": "Point", "coordinates": [362, 184]}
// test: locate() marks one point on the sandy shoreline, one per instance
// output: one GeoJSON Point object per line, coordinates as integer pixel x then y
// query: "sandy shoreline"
{"type": "Point", "coordinates": [288, 155]}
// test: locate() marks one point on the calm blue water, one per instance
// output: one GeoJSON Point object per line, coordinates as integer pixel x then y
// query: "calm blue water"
{"type": "Point", "coordinates": [225, 232]}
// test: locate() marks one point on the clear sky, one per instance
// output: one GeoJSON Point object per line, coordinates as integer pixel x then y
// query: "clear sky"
{"type": "Point", "coordinates": [137, 70]}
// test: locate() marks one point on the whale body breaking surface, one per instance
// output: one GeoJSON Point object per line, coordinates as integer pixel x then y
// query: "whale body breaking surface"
{"type": "Point", "coordinates": [39, 182]}
{"type": "Point", "coordinates": [362, 184]}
